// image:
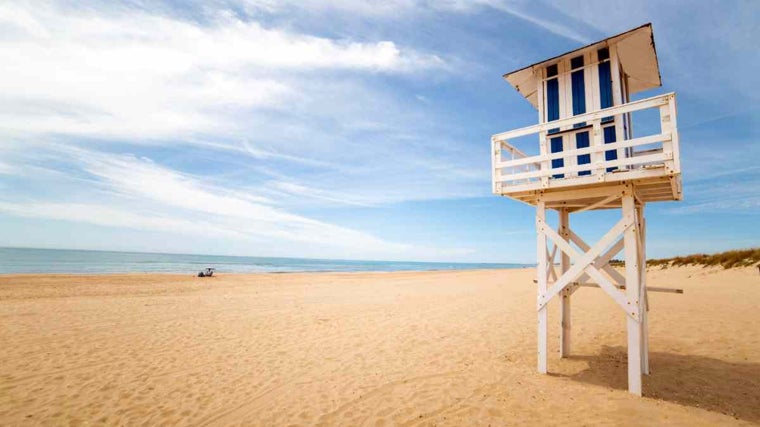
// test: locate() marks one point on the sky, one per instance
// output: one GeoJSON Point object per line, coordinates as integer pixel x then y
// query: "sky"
{"type": "Point", "coordinates": [340, 129]}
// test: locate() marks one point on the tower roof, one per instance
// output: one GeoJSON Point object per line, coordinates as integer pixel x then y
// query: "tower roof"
{"type": "Point", "coordinates": [636, 53]}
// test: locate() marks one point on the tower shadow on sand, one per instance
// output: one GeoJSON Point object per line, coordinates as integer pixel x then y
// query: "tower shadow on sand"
{"type": "Point", "coordinates": [715, 385]}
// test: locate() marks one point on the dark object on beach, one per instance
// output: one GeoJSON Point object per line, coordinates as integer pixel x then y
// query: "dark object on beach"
{"type": "Point", "coordinates": [206, 273]}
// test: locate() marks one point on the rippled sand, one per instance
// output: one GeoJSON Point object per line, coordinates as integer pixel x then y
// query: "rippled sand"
{"type": "Point", "coordinates": [434, 348]}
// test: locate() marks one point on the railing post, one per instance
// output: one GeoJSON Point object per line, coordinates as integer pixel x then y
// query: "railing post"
{"type": "Point", "coordinates": [633, 288]}
{"type": "Point", "coordinates": [495, 173]}
{"type": "Point", "coordinates": [617, 100]}
{"type": "Point", "coordinates": [544, 164]}
{"type": "Point", "coordinates": [598, 156]}
{"type": "Point", "coordinates": [565, 310]}
{"type": "Point", "coordinates": [674, 132]}
{"type": "Point", "coordinates": [666, 128]}
{"type": "Point", "coordinates": [542, 260]}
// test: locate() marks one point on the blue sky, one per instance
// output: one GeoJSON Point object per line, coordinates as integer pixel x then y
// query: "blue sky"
{"type": "Point", "coordinates": [339, 129]}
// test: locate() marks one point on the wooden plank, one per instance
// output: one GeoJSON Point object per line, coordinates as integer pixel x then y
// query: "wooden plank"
{"type": "Point", "coordinates": [632, 292]}
{"type": "Point", "coordinates": [649, 288]}
{"type": "Point", "coordinates": [674, 129]}
{"type": "Point", "coordinates": [606, 284]}
{"type": "Point", "coordinates": [597, 204]}
{"type": "Point", "coordinates": [565, 94]}
{"type": "Point", "coordinates": [557, 186]}
{"type": "Point", "coordinates": [543, 313]}
{"type": "Point", "coordinates": [645, 291]}
{"type": "Point", "coordinates": [593, 87]}
{"type": "Point", "coordinates": [543, 149]}
{"type": "Point", "coordinates": [593, 271]}
{"type": "Point", "coordinates": [622, 287]}
{"type": "Point", "coordinates": [516, 151]}
{"type": "Point", "coordinates": [495, 171]}
{"type": "Point", "coordinates": [617, 98]}
{"type": "Point", "coordinates": [594, 149]}
{"type": "Point", "coordinates": [552, 272]}
{"type": "Point", "coordinates": [597, 158]}
{"type": "Point", "coordinates": [603, 261]}
{"type": "Point", "coordinates": [650, 158]}
{"type": "Point", "coordinates": [642, 104]}
{"type": "Point", "coordinates": [572, 131]}
{"type": "Point", "coordinates": [585, 193]}
{"type": "Point", "coordinates": [565, 309]}
{"type": "Point", "coordinates": [584, 262]}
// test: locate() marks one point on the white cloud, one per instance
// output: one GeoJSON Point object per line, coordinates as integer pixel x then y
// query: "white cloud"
{"type": "Point", "coordinates": [108, 216]}
{"type": "Point", "coordinates": [139, 194]}
{"type": "Point", "coordinates": [289, 103]}
{"type": "Point", "coordinates": [333, 197]}
{"type": "Point", "coordinates": [5, 168]}
{"type": "Point", "coordinates": [132, 74]}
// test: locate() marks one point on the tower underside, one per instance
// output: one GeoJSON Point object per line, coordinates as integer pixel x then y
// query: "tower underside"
{"type": "Point", "coordinates": [588, 264]}
{"type": "Point", "coordinates": [599, 195]}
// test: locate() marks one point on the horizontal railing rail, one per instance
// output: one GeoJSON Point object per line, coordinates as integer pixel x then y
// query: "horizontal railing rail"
{"type": "Point", "coordinates": [512, 167]}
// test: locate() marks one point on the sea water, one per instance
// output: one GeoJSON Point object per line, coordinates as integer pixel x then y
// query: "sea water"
{"type": "Point", "coordinates": [27, 260]}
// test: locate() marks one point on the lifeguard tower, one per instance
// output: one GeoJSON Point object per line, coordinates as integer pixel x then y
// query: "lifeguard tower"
{"type": "Point", "coordinates": [587, 159]}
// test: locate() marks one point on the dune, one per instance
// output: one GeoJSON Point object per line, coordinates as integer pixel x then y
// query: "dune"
{"type": "Point", "coordinates": [411, 348]}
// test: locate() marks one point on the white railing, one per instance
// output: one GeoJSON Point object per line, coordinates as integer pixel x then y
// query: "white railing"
{"type": "Point", "coordinates": [513, 170]}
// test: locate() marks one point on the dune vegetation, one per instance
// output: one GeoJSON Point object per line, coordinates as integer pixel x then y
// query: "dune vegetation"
{"type": "Point", "coordinates": [727, 259]}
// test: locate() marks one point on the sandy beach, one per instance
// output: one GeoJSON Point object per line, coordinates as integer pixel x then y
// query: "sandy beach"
{"type": "Point", "coordinates": [427, 348]}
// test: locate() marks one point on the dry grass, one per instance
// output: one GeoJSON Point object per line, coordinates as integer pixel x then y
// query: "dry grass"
{"type": "Point", "coordinates": [728, 259]}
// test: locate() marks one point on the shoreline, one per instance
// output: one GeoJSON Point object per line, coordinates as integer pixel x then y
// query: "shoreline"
{"type": "Point", "coordinates": [217, 274]}
{"type": "Point", "coordinates": [69, 261]}
{"type": "Point", "coordinates": [236, 274]}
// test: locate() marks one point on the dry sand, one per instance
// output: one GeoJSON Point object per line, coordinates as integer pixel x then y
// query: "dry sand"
{"type": "Point", "coordinates": [435, 348]}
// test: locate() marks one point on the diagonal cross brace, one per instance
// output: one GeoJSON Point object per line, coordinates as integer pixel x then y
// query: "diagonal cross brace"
{"type": "Point", "coordinates": [603, 261]}
{"type": "Point", "coordinates": [585, 262]}
{"type": "Point", "coordinates": [551, 272]}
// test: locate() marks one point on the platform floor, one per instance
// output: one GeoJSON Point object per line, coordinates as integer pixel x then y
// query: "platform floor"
{"type": "Point", "coordinates": [582, 192]}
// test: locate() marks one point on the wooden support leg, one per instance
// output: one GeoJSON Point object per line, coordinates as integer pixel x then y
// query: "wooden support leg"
{"type": "Point", "coordinates": [564, 347]}
{"type": "Point", "coordinates": [644, 296]}
{"type": "Point", "coordinates": [542, 260]}
{"type": "Point", "coordinates": [633, 289]}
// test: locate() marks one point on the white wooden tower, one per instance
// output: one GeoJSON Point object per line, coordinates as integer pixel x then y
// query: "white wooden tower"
{"type": "Point", "coordinates": [587, 159]}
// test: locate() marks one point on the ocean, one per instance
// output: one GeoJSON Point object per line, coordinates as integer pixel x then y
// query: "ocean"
{"type": "Point", "coordinates": [27, 260]}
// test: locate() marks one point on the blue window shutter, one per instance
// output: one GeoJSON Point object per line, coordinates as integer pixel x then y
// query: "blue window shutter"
{"type": "Point", "coordinates": [609, 137]}
{"type": "Point", "coordinates": [552, 100]}
{"type": "Point", "coordinates": [605, 88]}
{"type": "Point", "coordinates": [579, 92]}
{"type": "Point", "coordinates": [552, 113]}
{"type": "Point", "coordinates": [556, 147]}
{"type": "Point", "coordinates": [578, 83]}
{"type": "Point", "coordinates": [582, 141]}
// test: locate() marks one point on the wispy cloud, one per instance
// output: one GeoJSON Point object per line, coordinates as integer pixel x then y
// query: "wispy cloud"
{"type": "Point", "coordinates": [548, 19]}
{"type": "Point", "coordinates": [704, 196]}
{"type": "Point", "coordinates": [540, 14]}
{"type": "Point", "coordinates": [129, 73]}
{"type": "Point", "coordinates": [98, 214]}
{"type": "Point", "coordinates": [142, 179]}
{"type": "Point", "coordinates": [292, 105]}
{"type": "Point", "coordinates": [137, 193]}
